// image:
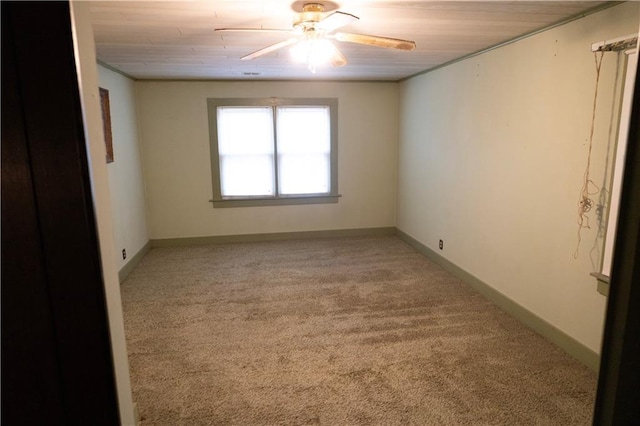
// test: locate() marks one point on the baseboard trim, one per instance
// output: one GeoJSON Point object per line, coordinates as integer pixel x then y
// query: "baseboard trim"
{"type": "Point", "coordinates": [126, 269]}
{"type": "Point", "coordinates": [136, 414]}
{"type": "Point", "coordinates": [574, 348]}
{"type": "Point", "coordinates": [247, 238]}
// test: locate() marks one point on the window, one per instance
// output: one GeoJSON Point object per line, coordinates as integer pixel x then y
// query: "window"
{"type": "Point", "coordinates": [628, 44]}
{"type": "Point", "coordinates": [621, 149]}
{"type": "Point", "coordinates": [273, 151]}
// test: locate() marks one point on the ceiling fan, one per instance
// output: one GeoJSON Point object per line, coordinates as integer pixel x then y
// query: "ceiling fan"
{"type": "Point", "coordinates": [311, 34]}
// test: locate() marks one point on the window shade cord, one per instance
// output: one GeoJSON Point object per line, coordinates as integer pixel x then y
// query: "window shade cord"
{"type": "Point", "coordinates": [585, 203]}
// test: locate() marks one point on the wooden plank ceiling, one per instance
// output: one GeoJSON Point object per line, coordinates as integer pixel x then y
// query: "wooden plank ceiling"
{"type": "Point", "coordinates": [176, 39]}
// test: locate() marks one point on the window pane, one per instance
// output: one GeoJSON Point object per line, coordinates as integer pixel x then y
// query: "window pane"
{"type": "Point", "coordinates": [304, 145]}
{"type": "Point", "coordinates": [245, 148]}
{"type": "Point", "coordinates": [245, 130]}
{"type": "Point", "coordinates": [304, 174]}
{"type": "Point", "coordinates": [246, 175]}
{"type": "Point", "coordinates": [304, 130]}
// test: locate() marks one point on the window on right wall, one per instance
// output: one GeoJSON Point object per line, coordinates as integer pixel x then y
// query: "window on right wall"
{"type": "Point", "coordinates": [615, 188]}
{"type": "Point", "coordinates": [621, 149]}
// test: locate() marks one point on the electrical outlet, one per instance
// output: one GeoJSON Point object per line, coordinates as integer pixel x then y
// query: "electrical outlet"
{"type": "Point", "coordinates": [441, 244]}
{"type": "Point", "coordinates": [124, 254]}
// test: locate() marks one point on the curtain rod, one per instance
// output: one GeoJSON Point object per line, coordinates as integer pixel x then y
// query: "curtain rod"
{"type": "Point", "coordinates": [630, 41]}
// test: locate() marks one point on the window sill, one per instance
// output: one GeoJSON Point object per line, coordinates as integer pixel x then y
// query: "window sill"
{"type": "Point", "coordinates": [603, 283]}
{"type": "Point", "coordinates": [284, 201]}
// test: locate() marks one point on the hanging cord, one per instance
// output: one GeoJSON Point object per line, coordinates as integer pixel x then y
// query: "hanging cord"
{"type": "Point", "coordinates": [585, 203]}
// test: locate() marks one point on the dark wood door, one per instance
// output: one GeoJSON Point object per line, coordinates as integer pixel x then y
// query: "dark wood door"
{"type": "Point", "coordinates": [618, 398]}
{"type": "Point", "coordinates": [56, 356]}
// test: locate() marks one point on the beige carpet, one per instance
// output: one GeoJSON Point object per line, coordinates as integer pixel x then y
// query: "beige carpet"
{"type": "Point", "coordinates": [359, 331]}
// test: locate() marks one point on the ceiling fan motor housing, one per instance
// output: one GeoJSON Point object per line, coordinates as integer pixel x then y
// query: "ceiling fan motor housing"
{"type": "Point", "coordinates": [311, 14]}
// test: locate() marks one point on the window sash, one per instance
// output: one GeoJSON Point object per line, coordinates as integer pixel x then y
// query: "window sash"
{"type": "Point", "coordinates": [246, 151]}
{"type": "Point", "coordinates": [303, 167]}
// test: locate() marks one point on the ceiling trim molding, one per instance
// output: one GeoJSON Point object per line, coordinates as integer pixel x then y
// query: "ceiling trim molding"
{"type": "Point", "coordinates": [264, 80]}
{"type": "Point", "coordinates": [584, 14]}
{"type": "Point", "coordinates": [110, 68]}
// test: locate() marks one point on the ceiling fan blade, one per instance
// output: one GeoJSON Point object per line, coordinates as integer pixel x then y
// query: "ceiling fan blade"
{"type": "Point", "coordinates": [393, 43]}
{"type": "Point", "coordinates": [253, 30]}
{"type": "Point", "coordinates": [338, 59]}
{"type": "Point", "coordinates": [270, 49]}
{"type": "Point", "coordinates": [335, 20]}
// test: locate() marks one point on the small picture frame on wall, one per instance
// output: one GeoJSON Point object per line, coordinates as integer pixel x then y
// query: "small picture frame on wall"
{"type": "Point", "coordinates": [106, 123]}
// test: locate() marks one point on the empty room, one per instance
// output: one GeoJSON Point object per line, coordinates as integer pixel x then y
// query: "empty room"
{"type": "Point", "coordinates": [356, 213]}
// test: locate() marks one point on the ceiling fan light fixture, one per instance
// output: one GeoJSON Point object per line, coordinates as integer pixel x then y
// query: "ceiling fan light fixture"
{"type": "Point", "coordinates": [314, 52]}
{"type": "Point", "coordinates": [311, 34]}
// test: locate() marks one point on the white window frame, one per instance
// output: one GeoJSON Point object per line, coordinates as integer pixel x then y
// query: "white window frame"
{"type": "Point", "coordinates": [277, 199]}
{"type": "Point", "coordinates": [621, 150]}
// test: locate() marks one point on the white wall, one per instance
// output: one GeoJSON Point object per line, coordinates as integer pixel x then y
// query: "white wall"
{"type": "Point", "coordinates": [492, 154]}
{"type": "Point", "coordinates": [176, 159]}
{"type": "Point", "coordinates": [126, 183]}
{"type": "Point", "coordinates": [88, 79]}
